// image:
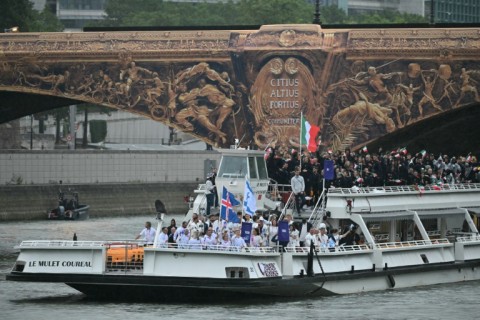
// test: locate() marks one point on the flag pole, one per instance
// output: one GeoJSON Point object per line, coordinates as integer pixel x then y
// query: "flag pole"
{"type": "Point", "coordinates": [300, 150]}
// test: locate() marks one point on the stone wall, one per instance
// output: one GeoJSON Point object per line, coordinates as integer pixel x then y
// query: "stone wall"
{"type": "Point", "coordinates": [104, 166]}
{"type": "Point", "coordinates": [29, 202]}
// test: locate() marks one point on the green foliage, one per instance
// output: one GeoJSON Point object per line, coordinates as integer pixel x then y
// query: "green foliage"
{"type": "Point", "coordinates": [20, 13]}
{"type": "Point", "coordinates": [98, 130]}
{"type": "Point", "coordinates": [17, 13]}
{"type": "Point", "coordinates": [333, 15]}
{"type": "Point", "coordinates": [46, 21]}
{"type": "Point", "coordinates": [387, 17]}
{"type": "Point", "coordinates": [242, 12]}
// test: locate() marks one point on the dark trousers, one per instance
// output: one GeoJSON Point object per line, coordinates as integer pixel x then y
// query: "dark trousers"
{"type": "Point", "coordinates": [215, 195]}
{"type": "Point", "coordinates": [209, 203]}
{"type": "Point", "coordinates": [300, 201]}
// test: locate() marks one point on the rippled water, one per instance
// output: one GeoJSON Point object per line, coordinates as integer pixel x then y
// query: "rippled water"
{"type": "Point", "coordinates": [52, 301]}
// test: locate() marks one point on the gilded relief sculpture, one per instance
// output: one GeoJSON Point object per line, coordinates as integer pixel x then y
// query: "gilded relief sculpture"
{"type": "Point", "coordinates": [369, 103]}
{"type": "Point", "coordinates": [356, 85]}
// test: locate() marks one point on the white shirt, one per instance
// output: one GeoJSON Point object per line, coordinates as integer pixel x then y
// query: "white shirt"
{"type": "Point", "coordinates": [309, 238]}
{"type": "Point", "coordinates": [148, 235]}
{"type": "Point", "coordinates": [194, 244]}
{"type": "Point", "coordinates": [303, 232]}
{"type": "Point", "coordinates": [162, 240]}
{"type": "Point", "coordinates": [209, 241]}
{"type": "Point", "coordinates": [294, 239]}
{"type": "Point", "coordinates": [298, 184]}
{"type": "Point", "coordinates": [238, 242]}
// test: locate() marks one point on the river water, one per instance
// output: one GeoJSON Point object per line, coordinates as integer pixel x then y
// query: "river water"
{"type": "Point", "coordinates": [53, 301]}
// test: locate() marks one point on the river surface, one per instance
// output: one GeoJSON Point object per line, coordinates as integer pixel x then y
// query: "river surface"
{"type": "Point", "coordinates": [57, 301]}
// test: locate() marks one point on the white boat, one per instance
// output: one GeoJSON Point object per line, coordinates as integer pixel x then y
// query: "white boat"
{"type": "Point", "coordinates": [411, 237]}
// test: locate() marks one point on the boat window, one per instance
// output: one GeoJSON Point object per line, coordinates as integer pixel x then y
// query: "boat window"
{"type": "Point", "coordinates": [235, 167]}
{"type": "Point", "coordinates": [262, 168]}
{"type": "Point", "coordinates": [253, 168]}
{"type": "Point", "coordinates": [237, 272]}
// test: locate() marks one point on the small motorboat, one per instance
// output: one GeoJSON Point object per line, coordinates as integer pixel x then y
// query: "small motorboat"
{"type": "Point", "coordinates": [69, 209]}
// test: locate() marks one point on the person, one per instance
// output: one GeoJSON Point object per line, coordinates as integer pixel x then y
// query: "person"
{"type": "Point", "coordinates": [237, 240]}
{"type": "Point", "coordinates": [209, 240]}
{"type": "Point", "coordinates": [215, 193]}
{"type": "Point", "coordinates": [322, 236]}
{"type": "Point", "coordinates": [163, 238]}
{"type": "Point", "coordinates": [349, 237]}
{"type": "Point", "coordinates": [182, 240]}
{"type": "Point", "coordinates": [209, 189]}
{"type": "Point", "coordinates": [333, 239]}
{"type": "Point", "coordinates": [180, 230]}
{"type": "Point", "coordinates": [195, 224]}
{"type": "Point", "coordinates": [273, 231]}
{"type": "Point", "coordinates": [173, 223]}
{"type": "Point", "coordinates": [225, 242]}
{"type": "Point", "coordinates": [310, 238]}
{"type": "Point", "coordinates": [298, 188]}
{"type": "Point", "coordinates": [304, 229]}
{"type": "Point", "coordinates": [171, 238]}
{"type": "Point", "coordinates": [257, 239]}
{"type": "Point", "coordinates": [194, 242]}
{"type": "Point", "coordinates": [148, 234]}
{"type": "Point", "coordinates": [294, 237]}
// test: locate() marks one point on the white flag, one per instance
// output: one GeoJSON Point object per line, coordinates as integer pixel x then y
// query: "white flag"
{"type": "Point", "coordinates": [249, 201]}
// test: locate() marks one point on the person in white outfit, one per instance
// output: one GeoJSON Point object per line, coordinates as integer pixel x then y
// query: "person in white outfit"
{"type": "Point", "coordinates": [163, 238]}
{"type": "Point", "coordinates": [147, 234]}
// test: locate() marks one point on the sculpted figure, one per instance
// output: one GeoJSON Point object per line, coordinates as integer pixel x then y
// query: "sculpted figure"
{"type": "Point", "coordinates": [54, 79]}
{"type": "Point", "coordinates": [428, 94]}
{"type": "Point", "coordinates": [134, 72]}
{"type": "Point", "coordinates": [202, 69]}
{"type": "Point", "coordinates": [468, 85]}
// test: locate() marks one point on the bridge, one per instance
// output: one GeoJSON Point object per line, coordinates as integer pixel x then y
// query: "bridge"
{"type": "Point", "coordinates": [357, 85]}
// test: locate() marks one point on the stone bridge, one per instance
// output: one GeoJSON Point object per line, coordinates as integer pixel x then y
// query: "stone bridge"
{"type": "Point", "coordinates": [357, 85]}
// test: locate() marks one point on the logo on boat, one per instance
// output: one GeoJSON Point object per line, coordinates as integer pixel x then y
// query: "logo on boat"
{"type": "Point", "coordinates": [268, 269]}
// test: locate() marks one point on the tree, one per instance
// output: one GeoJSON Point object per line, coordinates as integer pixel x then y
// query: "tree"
{"type": "Point", "coordinates": [333, 15]}
{"type": "Point", "coordinates": [387, 17]}
{"type": "Point", "coordinates": [20, 13]}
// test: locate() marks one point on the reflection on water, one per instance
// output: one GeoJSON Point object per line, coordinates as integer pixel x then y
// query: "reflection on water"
{"type": "Point", "coordinates": [40, 301]}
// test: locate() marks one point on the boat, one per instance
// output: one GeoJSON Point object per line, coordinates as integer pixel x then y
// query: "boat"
{"type": "Point", "coordinates": [410, 237]}
{"type": "Point", "coordinates": [68, 209]}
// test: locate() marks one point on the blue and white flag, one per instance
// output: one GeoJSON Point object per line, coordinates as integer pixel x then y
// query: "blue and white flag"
{"type": "Point", "coordinates": [249, 201]}
{"type": "Point", "coordinates": [246, 232]}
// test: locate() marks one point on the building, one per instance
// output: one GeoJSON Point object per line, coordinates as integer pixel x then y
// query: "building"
{"type": "Point", "coordinates": [446, 11]}
{"type": "Point", "coordinates": [457, 11]}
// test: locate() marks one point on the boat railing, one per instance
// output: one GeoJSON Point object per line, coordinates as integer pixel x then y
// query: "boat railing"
{"type": "Point", "coordinates": [278, 192]}
{"type": "Point", "coordinates": [317, 213]}
{"type": "Point", "coordinates": [400, 189]}
{"type": "Point", "coordinates": [472, 238]}
{"type": "Point", "coordinates": [359, 247]}
{"type": "Point", "coordinates": [409, 244]}
{"type": "Point", "coordinates": [218, 248]}
{"type": "Point", "coordinates": [60, 243]}
{"type": "Point", "coordinates": [289, 205]}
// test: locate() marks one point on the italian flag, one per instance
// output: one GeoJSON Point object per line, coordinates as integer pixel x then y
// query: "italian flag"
{"type": "Point", "coordinates": [308, 134]}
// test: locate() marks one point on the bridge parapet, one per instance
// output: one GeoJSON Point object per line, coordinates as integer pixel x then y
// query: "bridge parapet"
{"type": "Point", "coordinates": [219, 85]}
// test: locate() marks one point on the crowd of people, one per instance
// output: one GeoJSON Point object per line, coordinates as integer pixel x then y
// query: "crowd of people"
{"type": "Point", "coordinates": [304, 173]}
{"type": "Point", "coordinates": [365, 169]}
{"type": "Point", "coordinates": [205, 233]}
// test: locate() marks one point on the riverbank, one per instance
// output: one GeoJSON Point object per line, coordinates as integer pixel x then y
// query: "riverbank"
{"type": "Point", "coordinates": [31, 202]}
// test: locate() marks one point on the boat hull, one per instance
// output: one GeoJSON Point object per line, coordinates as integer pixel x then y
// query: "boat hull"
{"type": "Point", "coordinates": [80, 213]}
{"type": "Point", "coordinates": [187, 289]}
